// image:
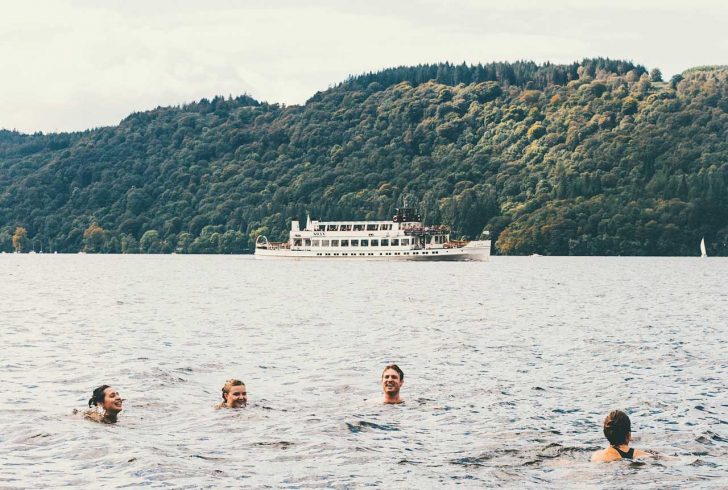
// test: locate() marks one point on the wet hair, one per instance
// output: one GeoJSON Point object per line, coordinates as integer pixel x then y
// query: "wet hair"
{"type": "Point", "coordinates": [97, 398]}
{"type": "Point", "coordinates": [396, 368]}
{"type": "Point", "coordinates": [229, 385]}
{"type": "Point", "coordinates": [617, 427]}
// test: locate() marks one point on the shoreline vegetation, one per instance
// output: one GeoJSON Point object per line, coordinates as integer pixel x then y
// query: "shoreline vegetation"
{"type": "Point", "coordinates": [600, 157]}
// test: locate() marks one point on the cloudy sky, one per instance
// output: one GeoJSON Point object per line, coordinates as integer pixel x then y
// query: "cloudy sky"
{"type": "Point", "coordinates": [70, 65]}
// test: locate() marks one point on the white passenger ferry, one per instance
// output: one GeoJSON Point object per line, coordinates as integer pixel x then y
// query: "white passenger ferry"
{"type": "Point", "coordinates": [402, 238]}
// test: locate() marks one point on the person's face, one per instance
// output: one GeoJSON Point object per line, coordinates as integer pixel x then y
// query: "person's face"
{"type": "Point", "coordinates": [391, 383]}
{"type": "Point", "coordinates": [112, 400]}
{"type": "Point", "coordinates": [238, 397]}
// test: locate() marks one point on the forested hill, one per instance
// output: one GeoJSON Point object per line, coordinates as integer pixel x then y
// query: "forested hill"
{"type": "Point", "coordinates": [594, 158]}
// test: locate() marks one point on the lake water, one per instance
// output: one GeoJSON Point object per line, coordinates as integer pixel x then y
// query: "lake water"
{"type": "Point", "coordinates": [510, 367]}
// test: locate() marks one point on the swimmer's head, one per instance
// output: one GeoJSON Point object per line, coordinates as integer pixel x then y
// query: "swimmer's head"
{"type": "Point", "coordinates": [617, 428]}
{"type": "Point", "coordinates": [106, 398]}
{"type": "Point", "coordinates": [395, 368]}
{"type": "Point", "coordinates": [392, 380]}
{"type": "Point", "coordinates": [234, 393]}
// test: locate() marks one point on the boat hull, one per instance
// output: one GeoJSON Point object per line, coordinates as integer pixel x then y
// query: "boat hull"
{"type": "Point", "coordinates": [478, 251]}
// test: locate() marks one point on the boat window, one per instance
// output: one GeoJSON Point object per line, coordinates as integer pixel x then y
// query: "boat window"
{"type": "Point", "coordinates": [386, 226]}
{"type": "Point", "coordinates": [315, 243]}
{"type": "Point", "coordinates": [364, 243]}
{"type": "Point", "coordinates": [372, 227]}
{"type": "Point", "coordinates": [332, 227]}
{"type": "Point", "coordinates": [405, 241]}
{"type": "Point", "coordinates": [345, 228]}
{"type": "Point", "coordinates": [319, 228]}
{"type": "Point", "coordinates": [355, 243]}
{"type": "Point", "coordinates": [375, 242]}
{"type": "Point", "coordinates": [307, 242]}
{"type": "Point", "coordinates": [344, 243]}
{"type": "Point", "coordinates": [334, 243]}
{"type": "Point", "coordinates": [296, 242]}
{"type": "Point", "coordinates": [395, 242]}
{"type": "Point", "coordinates": [385, 242]}
{"type": "Point", "coordinates": [324, 243]}
{"type": "Point", "coordinates": [358, 227]}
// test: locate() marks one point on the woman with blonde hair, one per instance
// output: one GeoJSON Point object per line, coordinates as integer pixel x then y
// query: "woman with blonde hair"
{"type": "Point", "coordinates": [234, 395]}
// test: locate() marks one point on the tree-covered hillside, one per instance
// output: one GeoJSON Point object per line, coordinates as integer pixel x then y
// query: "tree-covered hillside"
{"type": "Point", "coordinates": [594, 158]}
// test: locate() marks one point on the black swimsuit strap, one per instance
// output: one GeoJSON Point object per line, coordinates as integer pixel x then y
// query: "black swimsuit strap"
{"type": "Point", "coordinates": [625, 455]}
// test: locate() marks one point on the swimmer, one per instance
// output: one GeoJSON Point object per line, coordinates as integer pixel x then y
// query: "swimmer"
{"type": "Point", "coordinates": [105, 404]}
{"type": "Point", "coordinates": [392, 381]}
{"type": "Point", "coordinates": [234, 395]}
{"type": "Point", "coordinates": [618, 431]}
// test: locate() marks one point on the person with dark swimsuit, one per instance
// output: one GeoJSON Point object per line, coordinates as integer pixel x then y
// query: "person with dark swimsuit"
{"type": "Point", "coordinates": [618, 431]}
{"type": "Point", "coordinates": [625, 455]}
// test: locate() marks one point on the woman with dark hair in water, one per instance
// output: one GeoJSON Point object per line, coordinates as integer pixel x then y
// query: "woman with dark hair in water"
{"type": "Point", "coordinates": [104, 405]}
{"type": "Point", "coordinates": [618, 431]}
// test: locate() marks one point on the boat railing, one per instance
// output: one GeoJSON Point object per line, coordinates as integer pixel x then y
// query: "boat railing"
{"type": "Point", "coordinates": [455, 244]}
{"type": "Point", "coordinates": [426, 230]}
{"type": "Point", "coordinates": [263, 243]}
{"type": "Point", "coordinates": [279, 246]}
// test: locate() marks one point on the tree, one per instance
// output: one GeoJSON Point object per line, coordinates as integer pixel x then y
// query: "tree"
{"type": "Point", "coordinates": [675, 80]}
{"type": "Point", "coordinates": [150, 242]}
{"type": "Point", "coordinates": [94, 238]}
{"type": "Point", "coordinates": [656, 75]}
{"type": "Point", "coordinates": [629, 106]}
{"type": "Point", "coordinates": [20, 239]}
{"type": "Point", "coordinates": [536, 131]}
{"type": "Point", "coordinates": [183, 243]}
{"type": "Point", "coordinates": [129, 245]}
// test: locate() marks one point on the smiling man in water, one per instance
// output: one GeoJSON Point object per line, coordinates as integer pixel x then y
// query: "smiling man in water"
{"type": "Point", "coordinates": [392, 381]}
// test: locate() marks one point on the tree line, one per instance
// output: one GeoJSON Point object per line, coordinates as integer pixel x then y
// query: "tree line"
{"type": "Point", "coordinates": [599, 157]}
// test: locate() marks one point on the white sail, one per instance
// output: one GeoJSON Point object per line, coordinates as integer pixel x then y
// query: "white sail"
{"type": "Point", "coordinates": [703, 253]}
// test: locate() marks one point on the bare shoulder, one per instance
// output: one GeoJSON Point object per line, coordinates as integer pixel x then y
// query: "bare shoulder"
{"type": "Point", "coordinates": [642, 454]}
{"type": "Point", "coordinates": [604, 456]}
{"type": "Point", "coordinates": [93, 416]}
{"type": "Point", "coordinates": [598, 456]}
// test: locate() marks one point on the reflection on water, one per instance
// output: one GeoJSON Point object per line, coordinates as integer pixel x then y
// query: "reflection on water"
{"type": "Point", "coordinates": [510, 366]}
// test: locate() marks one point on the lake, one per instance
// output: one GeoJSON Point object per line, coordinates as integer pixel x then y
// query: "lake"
{"type": "Point", "coordinates": [510, 367]}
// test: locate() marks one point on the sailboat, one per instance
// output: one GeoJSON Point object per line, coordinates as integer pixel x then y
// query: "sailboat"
{"type": "Point", "coordinates": [703, 253]}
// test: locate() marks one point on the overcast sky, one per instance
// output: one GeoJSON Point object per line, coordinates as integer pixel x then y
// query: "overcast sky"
{"type": "Point", "coordinates": [76, 64]}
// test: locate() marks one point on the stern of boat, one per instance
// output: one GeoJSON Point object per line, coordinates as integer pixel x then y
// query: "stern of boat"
{"type": "Point", "coordinates": [478, 250]}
